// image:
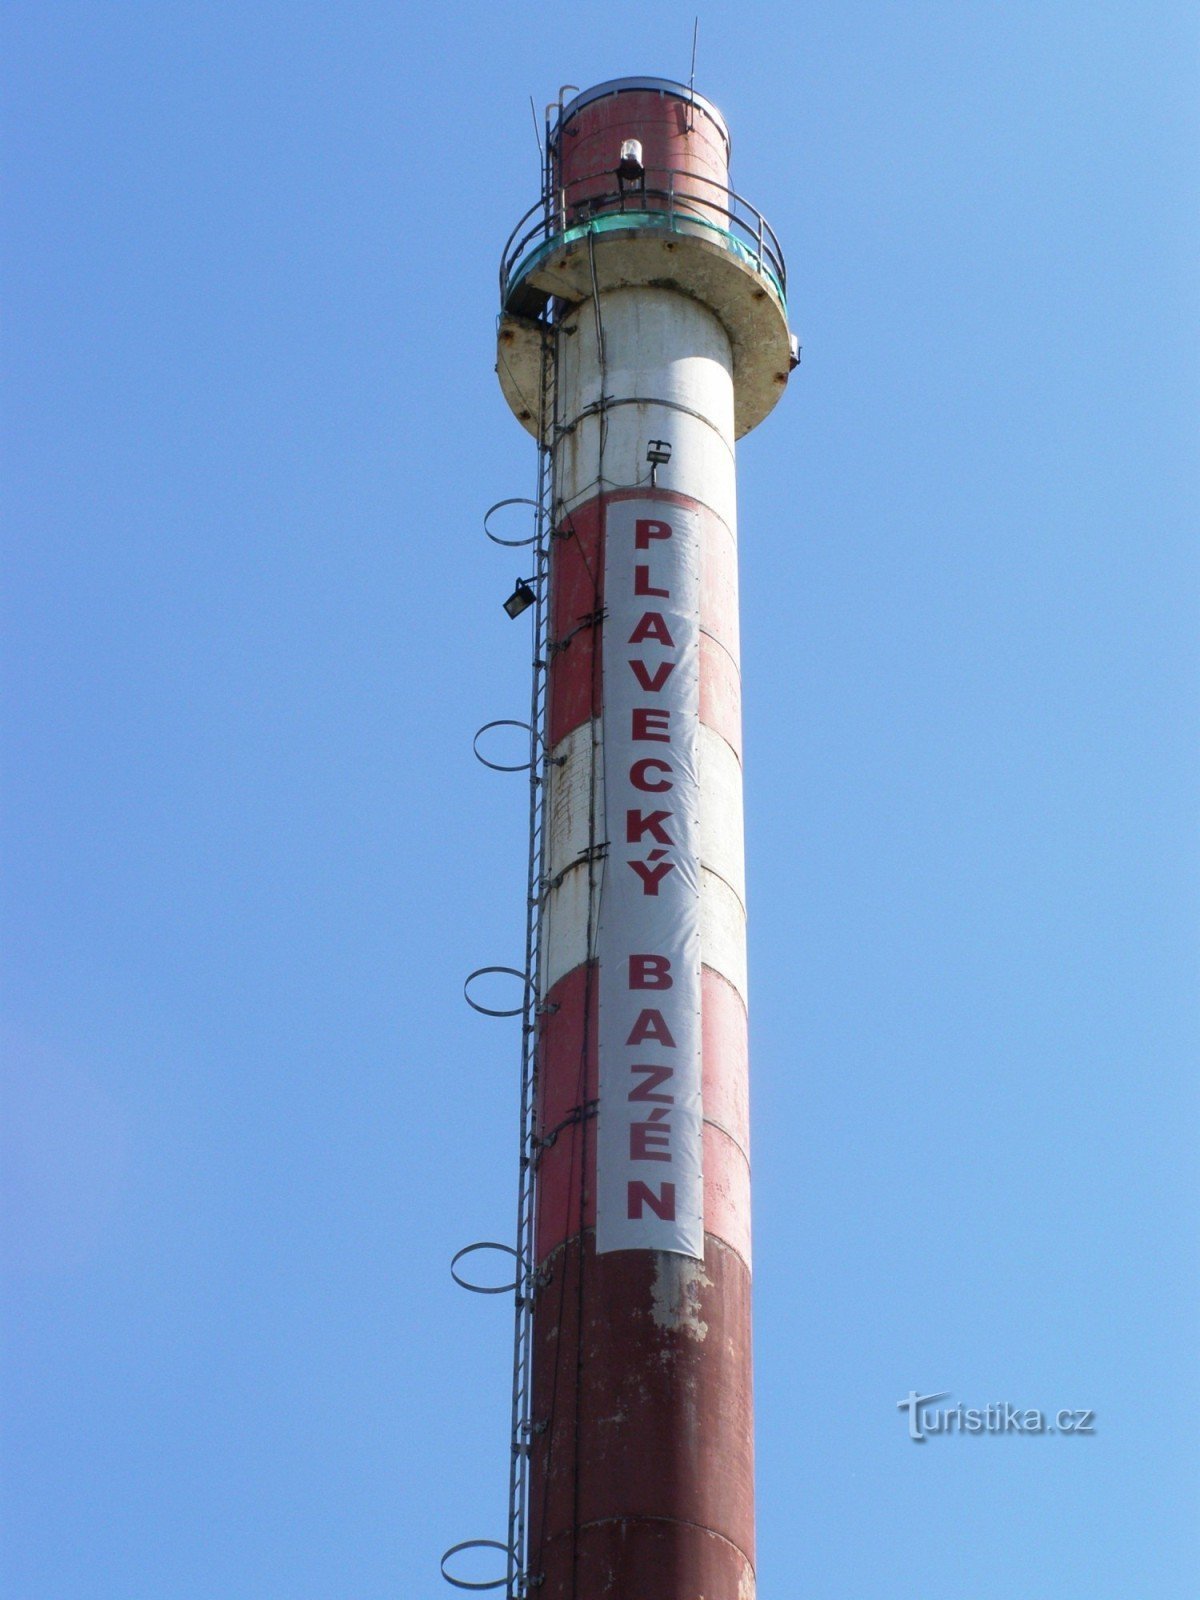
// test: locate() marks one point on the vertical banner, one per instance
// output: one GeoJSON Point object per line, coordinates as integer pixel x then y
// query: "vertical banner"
{"type": "Point", "coordinates": [649, 1151]}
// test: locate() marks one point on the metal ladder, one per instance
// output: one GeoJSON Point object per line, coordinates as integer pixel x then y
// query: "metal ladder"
{"type": "Point", "coordinates": [520, 1581]}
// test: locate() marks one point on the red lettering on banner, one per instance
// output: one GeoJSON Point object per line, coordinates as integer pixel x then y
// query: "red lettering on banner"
{"type": "Point", "coordinates": [641, 584]}
{"type": "Point", "coordinates": [650, 1001]}
{"type": "Point", "coordinates": [662, 1204]}
{"type": "Point", "coordinates": [652, 625]}
{"type": "Point", "coordinates": [650, 972]}
{"type": "Point", "coordinates": [654, 1076]}
{"type": "Point", "coordinates": [652, 682]}
{"type": "Point", "coordinates": [648, 1142]}
{"type": "Point", "coordinates": [646, 528]}
{"type": "Point", "coordinates": [651, 1024]}
{"type": "Point", "coordinates": [639, 769]}
{"type": "Point", "coordinates": [640, 823]}
{"type": "Point", "coordinates": [652, 876]}
{"type": "Point", "coordinates": [651, 725]}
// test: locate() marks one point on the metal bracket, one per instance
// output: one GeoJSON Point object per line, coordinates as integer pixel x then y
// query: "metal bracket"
{"type": "Point", "coordinates": [500, 766]}
{"type": "Point", "coordinates": [577, 1114]}
{"type": "Point", "coordinates": [480, 1288]}
{"type": "Point", "coordinates": [513, 500]}
{"type": "Point", "coordinates": [538, 1281]}
{"type": "Point", "coordinates": [592, 620]}
{"type": "Point", "coordinates": [591, 852]}
{"type": "Point", "coordinates": [491, 1011]}
{"type": "Point", "coordinates": [475, 1544]}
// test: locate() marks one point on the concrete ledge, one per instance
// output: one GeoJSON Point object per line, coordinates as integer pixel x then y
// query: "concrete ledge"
{"type": "Point", "coordinates": [743, 298]}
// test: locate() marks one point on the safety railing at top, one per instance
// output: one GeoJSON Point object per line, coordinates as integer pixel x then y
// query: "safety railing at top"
{"type": "Point", "coordinates": [668, 198]}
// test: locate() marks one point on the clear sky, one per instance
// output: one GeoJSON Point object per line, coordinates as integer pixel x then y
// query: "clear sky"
{"type": "Point", "coordinates": [251, 624]}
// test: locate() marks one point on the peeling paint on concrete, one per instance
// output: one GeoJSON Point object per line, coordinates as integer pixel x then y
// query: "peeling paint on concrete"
{"type": "Point", "coordinates": [675, 1297]}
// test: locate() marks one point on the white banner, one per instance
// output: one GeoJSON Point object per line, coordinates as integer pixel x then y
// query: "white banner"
{"type": "Point", "coordinates": [650, 1178]}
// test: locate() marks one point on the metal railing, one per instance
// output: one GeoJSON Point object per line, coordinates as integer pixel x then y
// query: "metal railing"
{"type": "Point", "coordinates": [669, 198]}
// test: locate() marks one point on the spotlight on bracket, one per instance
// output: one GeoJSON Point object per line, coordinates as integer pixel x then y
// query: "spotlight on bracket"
{"type": "Point", "coordinates": [658, 454]}
{"type": "Point", "coordinates": [521, 598]}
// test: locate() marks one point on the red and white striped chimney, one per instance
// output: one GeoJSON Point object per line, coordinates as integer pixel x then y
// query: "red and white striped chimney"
{"type": "Point", "coordinates": [643, 331]}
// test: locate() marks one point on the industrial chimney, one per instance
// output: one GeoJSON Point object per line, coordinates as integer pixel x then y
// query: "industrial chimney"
{"type": "Point", "coordinates": [643, 330]}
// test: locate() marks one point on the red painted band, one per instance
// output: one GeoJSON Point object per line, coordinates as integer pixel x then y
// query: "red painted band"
{"type": "Point", "coordinates": [642, 1378]}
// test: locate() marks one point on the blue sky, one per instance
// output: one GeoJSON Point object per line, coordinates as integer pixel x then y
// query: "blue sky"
{"type": "Point", "coordinates": [251, 624]}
